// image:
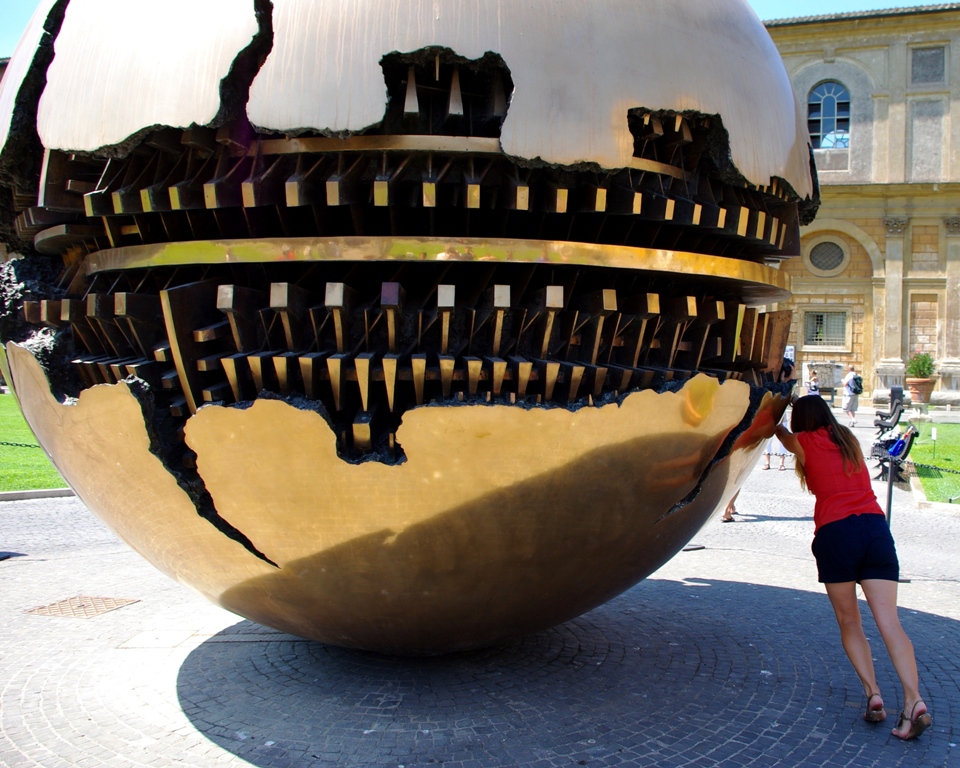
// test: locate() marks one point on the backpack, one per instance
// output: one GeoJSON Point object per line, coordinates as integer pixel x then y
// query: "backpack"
{"type": "Point", "coordinates": [856, 384]}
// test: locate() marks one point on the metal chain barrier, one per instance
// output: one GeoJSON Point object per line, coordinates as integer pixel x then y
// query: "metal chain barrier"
{"type": "Point", "coordinates": [939, 469]}
{"type": "Point", "coordinates": [19, 445]}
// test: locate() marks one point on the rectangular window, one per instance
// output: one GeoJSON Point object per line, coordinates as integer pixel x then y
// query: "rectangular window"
{"type": "Point", "coordinates": [927, 65]}
{"type": "Point", "coordinates": [825, 329]}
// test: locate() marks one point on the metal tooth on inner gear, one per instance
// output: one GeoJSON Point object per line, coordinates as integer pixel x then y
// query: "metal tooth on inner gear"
{"type": "Point", "coordinates": [477, 336]}
{"type": "Point", "coordinates": [417, 168]}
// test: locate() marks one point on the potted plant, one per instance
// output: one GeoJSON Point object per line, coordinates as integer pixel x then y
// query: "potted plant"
{"type": "Point", "coordinates": [919, 374]}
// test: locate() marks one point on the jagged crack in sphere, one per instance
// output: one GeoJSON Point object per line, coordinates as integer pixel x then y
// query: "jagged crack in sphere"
{"type": "Point", "coordinates": [412, 326]}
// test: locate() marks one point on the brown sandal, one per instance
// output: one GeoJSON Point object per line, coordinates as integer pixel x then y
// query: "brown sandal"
{"type": "Point", "coordinates": [875, 712]}
{"type": "Point", "coordinates": [918, 723]}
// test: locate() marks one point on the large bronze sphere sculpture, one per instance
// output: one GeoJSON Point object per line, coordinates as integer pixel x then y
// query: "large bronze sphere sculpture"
{"type": "Point", "coordinates": [407, 325]}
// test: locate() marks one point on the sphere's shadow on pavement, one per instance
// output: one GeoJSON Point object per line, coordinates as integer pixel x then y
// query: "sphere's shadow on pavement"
{"type": "Point", "coordinates": [668, 674]}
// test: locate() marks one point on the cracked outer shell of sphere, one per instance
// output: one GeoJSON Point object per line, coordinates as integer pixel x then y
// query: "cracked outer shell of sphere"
{"type": "Point", "coordinates": [564, 110]}
{"type": "Point", "coordinates": [485, 533]}
{"type": "Point", "coordinates": [405, 325]}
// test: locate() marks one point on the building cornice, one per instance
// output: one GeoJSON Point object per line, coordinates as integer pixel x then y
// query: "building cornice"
{"type": "Point", "coordinates": [919, 10]}
{"type": "Point", "coordinates": [946, 191]}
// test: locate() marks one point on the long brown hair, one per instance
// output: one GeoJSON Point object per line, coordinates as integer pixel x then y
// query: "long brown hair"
{"type": "Point", "coordinates": [811, 413]}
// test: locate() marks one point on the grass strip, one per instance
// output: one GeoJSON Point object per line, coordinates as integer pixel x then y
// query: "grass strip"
{"type": "Point", "coordinates": [943, 453]}
{"type": "Point", "coordinates": [22, 469]}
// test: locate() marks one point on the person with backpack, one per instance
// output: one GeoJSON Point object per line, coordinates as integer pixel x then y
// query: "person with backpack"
{"type": "Point", "coordinates": [852, 389]}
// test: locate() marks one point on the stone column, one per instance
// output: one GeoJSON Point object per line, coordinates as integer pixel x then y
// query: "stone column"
{"type": "Point", "coordinates": [949, 365]}
{"type": "Point", "coordinates": [876, 311]}
{"type": "Point", "coordinates": [890, 370]}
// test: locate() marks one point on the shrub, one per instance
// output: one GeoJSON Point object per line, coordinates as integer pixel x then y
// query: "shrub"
{"type": "Point", "coordinates": [920, 366]}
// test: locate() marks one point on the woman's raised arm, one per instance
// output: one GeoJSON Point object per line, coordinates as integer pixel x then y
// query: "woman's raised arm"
{"type": "Point", "coordinates": [790, 442]}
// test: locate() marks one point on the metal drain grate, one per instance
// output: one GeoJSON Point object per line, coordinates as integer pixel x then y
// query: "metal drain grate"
{"type": "Point", "coordinates": [81, 607]}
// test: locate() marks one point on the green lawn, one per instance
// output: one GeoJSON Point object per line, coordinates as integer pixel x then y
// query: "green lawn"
{"type": "Point", "coordinates": [944, 453]}
{"type": "Point", "coordinates": [22, 469]}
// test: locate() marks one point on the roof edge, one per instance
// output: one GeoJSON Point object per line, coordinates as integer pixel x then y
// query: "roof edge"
{"type": "Point", "coordinates": [918, 10]}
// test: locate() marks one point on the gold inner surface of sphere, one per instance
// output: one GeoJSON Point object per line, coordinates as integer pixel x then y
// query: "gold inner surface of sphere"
{"type": "Point", "coordinates": [502, 520]}
{"type": "Point", "coordinates": [756, 283]}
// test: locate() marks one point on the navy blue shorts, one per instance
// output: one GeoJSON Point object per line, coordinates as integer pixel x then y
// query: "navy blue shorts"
{"type": "Point", "coordinates": [856, 548]}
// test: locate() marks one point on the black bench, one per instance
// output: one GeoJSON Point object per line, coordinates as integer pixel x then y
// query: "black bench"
{"type": "Point", "coordinates": [881, 451]}
{"type": "Point", "coordinates": [887, 420]}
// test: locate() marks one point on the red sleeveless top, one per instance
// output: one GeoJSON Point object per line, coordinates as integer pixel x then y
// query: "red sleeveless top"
{"type": "Point", "coordinates": [838, 495]}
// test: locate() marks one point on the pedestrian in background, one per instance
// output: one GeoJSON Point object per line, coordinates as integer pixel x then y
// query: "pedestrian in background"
{"type": "Point", "coordinates": [730, 510]}
{"type": "Point", "coordinates": [774, 446]}
{"type": "Point", "coordinates": [851, 395]}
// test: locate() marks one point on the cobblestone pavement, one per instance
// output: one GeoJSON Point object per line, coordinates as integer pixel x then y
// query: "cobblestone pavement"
{"type": "Point", "coordinates": [727, 656]}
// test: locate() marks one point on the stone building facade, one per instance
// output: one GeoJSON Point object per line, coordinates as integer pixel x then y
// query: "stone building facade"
{"type": "Point", "coordinates": [879, 274]}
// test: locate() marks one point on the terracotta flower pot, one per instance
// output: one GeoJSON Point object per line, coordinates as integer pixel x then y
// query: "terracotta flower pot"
{"type": "Point", "coordinates": [920, 389]}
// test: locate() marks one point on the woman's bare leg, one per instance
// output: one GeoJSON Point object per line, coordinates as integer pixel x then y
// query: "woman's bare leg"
{"type": "Point", "coordinates": [731, 509]}
{"type": "Point", "coordinates": [843, 598]}
{"type": "Point", "coordinates": [882, 598]}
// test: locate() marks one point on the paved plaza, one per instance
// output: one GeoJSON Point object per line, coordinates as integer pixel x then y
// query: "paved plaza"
{"type": "Point", "coordinates": [727, 656]}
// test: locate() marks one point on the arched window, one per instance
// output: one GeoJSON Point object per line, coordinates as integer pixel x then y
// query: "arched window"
{"type": "Point", "coordinates": [828, 116]}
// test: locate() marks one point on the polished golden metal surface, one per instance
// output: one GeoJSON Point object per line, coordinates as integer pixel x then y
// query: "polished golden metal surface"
{"type": "Point", "coordinates": [577, 69]}
{"type": "Point", "coordinates": [5, 372]}
{"type": "Point", "coordinates": [377, 143]}
{"type": "Point", "coordinates": [118, 71]}
{"type": "Point", "coordinates": [102, 449]}
{"type": "Point", "coordinates": [119, 68]}
{"type": "Point", "coordinates": [491, 436]}
{"type": "Point", "coordinates": [19, 64]}
{"type": "Point", "coordinates": [417, 143]}
{"type": "Point", "coordinates": [484, 533]}
{"type": "Point", "coordinates": [758, 283]}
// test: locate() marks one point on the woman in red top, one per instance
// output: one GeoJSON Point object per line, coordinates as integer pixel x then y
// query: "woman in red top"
{"type": "Point", "coordinates": [852, 544]}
